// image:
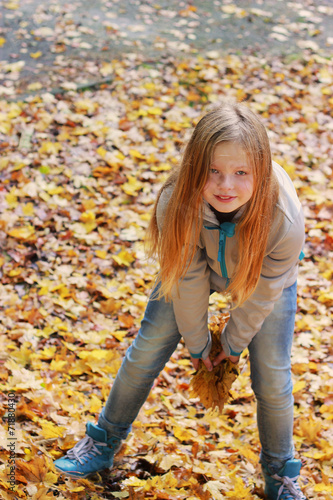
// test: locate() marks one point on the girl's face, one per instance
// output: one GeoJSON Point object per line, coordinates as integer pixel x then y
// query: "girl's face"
{"type": "Point", "coordinates": [230, 180]}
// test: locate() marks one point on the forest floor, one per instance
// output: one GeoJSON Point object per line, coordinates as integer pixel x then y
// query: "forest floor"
{"type": "Point", "coordinates": [89, 132]}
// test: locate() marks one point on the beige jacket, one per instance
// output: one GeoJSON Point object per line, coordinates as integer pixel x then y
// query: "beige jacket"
{"type": "Point", "coordinates": [279, 271]}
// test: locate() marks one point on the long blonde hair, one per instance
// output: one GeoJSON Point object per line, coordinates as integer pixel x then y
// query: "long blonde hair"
{"type": "Point", "coordinates": [175, 245]}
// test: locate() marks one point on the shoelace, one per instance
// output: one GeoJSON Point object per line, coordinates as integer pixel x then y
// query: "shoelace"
{"type": "Point", "coordinates": [289, 486]}
{"type": "Point", "coordinates": [87, 446]}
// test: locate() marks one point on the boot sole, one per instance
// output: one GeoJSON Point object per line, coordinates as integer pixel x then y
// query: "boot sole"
{"type": "Point", "coordinates": [83, 476]}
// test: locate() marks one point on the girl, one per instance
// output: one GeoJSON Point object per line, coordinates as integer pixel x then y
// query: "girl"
{"type": "Point", "coordinates": [227, 220]}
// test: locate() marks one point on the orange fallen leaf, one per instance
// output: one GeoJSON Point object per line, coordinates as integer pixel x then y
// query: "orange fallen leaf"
{"type": "Point", "coordinates": [35, 470]}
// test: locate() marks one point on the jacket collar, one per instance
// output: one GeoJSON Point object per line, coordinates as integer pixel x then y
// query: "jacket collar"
{"type": "Point", "coordinates": [209, 216]}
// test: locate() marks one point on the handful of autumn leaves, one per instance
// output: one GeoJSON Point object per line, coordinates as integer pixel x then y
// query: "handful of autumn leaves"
{"type": "Point", "coordinates": [212, 388]}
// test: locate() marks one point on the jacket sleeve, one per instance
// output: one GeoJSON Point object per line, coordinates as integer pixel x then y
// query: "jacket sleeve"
{"type": "Point", "coordinates": [246, 320]}
{"type": "Point", "coordinates": [191, 306]}
{"type": "Point", "coordinates": [191, 303]}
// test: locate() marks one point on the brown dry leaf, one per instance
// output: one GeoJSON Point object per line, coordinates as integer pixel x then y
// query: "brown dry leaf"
{"type": "Point", "coordinates": [44, 493]}
{"type": "Point", "coordinates": [34, 471]}
{"type": "Point", "coordinates": [110, 306]}
{"type": "Point", "coordinates": [212, 388]}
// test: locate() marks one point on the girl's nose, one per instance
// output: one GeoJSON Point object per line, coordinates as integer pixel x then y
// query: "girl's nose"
{"type": "Point", "coordinates": [224, 181]}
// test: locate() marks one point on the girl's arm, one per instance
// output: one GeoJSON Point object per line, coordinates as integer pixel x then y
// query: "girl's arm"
{"type": "Point", "coordinates": [191, 307]}
{"type": "Point", "coordinates": [279, 271]}
{"type": "Point", "coordinates": [191, 303]}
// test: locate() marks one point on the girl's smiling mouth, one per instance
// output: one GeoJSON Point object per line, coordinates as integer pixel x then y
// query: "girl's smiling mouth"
{"type": "Point", "coordinates": [224, 198]}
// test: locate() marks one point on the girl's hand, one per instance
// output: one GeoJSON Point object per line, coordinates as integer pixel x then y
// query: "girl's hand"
{"type": "Point", "coordinates": [207, 362]}
{"type": "Point", "coordinates": [222, 355]}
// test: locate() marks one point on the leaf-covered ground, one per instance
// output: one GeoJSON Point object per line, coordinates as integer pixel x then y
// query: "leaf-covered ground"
{"type": "Point", "coordinates": [79, 175]}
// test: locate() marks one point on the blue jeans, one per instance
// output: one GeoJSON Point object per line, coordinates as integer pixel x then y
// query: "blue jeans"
{"type": "Point", "coordinates": [270, 373]}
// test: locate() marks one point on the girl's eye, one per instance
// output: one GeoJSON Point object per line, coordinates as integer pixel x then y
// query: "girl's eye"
{"type": "Point", "coordinates": [241, 172]}
{"type": "Point", "coordinates": [213, 171]}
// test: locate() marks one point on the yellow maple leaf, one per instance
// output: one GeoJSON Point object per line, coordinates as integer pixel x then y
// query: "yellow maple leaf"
{"type": "Point", "coordinates": [44, 290]}
{"type": "Point", "coordinates": [34, 471]}
{"type": "Point", "coordinates": [89, 221]}
{"type": "Point", "coordinates": [11, 200]}
{"type": "Point", "coordinates": [64, 292]}
{"type": "Point", "coordinates": [50, 430]}
{"type": "Point", "coordinates": [214, 487]}
{"type": "Point", "coordinates": [132, 186]}
{"type": "Point", "coordinates": [162, 167]}
{"type": "Point", "coordinates": [167, 481]}
{"type": "Point", "coordinates": [326, 298]}
{"type": "Point", "coordinates": [171, 460]}
{"type": "Point", "coordinates": [102, 254]}
{"type": "Point", "coordinates": [58, 365]}
{"type": "Point", "coordinates": [81, 131]}
{"type": "Point", "coordinates": [120, 335]}
{"type": "Point", "coordinates": [48, 352]}
{"type": "Point", "coordinates": [299, 385]}
{"type": "Point", "coordinates": [246, 450]}
{"type": "Point", "coordinates": [176, 127]}
{"type": "Point", "coordinates": [18, 166]}
{"type": "Point", "coordinates": [35, 86]}
{"type": "Point", "coordinates": [182, 434]}
{"type": "Point", "coordinates": [321, 455]}
{"type": "Point", "coordinates": [113, 159]}
{"type": "Point", "coordinates": [106, 69]}
{"type": "Point", "coordinates": [239, 491]}
{"type": "Point", "coordinates": [155, 111]}
{"type": "Point", "coordinates": [95, 404]}
{"type": "Point", "coordinates": [101, 151]}
{"type": "Point", "coordinates": [4, 162]}
{"type": "Point", "coordinates": [100, 361]}
{"type": "Point", "coordinates": [36, 55]}
{"type": "Point", "coordinates": [320, 487]}
{"type": "Point", "coordinates": [136, 154]}
{"type": "Point", "coordinates": [104, 291]}
{"type": "Point", "coordinates": [55, 190]}
{"type": "Point", "coordinates": [77, 368]}
{"type": "Point", "coordinates": [184, 362]}
{"type": "Point", "coordinates": [28, 209]}
{"type": "Point", "coordinates": [123, 258]}
{"type": "Point", "coordinates": [11, 5]}
{"type": "Point", "coordinates": [95, 354]}
{"type": "Point", "coordinates": [151, 410]}
{"type": "Point", "coordinates": [15, 272]}
{"type": "Point", "coordinates": [326, 409]}
{"type": "Point", "coordinates": [309, 428]}
{"type": "Point", "coordinates": [49, 147]}
{"type": "Point", "coordinates": [22, 233]}
{"type": "Point", "coordinates": [134, 481]}
{"type": "Point", "coordinates": [88, 204]}
{"type": "Point", "coordinates": [167, 403]}
{"type": "Point", "coordinates": [149, 85]}
{"type": "Point", "coordinates": [85, 105]}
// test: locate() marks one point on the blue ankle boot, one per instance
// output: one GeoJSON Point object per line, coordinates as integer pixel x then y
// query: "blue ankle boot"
{"type": "Point", "coordinates": [92, 454]}
{"type": "Point", "coordinates": [283, 485]}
